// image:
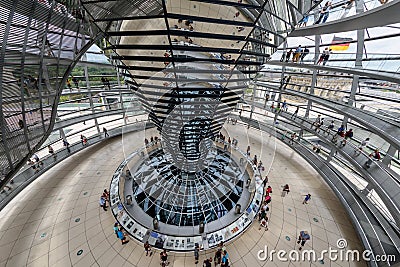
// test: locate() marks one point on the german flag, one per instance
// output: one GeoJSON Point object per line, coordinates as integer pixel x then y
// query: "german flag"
{"type": "Point", "coordinates": [340, 44]}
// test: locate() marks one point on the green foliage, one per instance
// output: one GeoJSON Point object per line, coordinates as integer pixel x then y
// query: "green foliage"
{"type": "Point", "coordinates": [65, 98]}
{"type": "Point", "coordinates": [95, 74]}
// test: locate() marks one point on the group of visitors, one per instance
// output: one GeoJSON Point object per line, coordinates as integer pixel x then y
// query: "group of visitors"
{"type": "Point", "coordinates": [262, 215]}
{"type": "Point", "coordinates": [163, 254]}
{"type": "Point", "coordinates": [153, 141]}
{"type": "Point", "coordinates": [324, 56]}
{"type": "Point", "coordinates": [226, 141]}
{"type": "Point", "coordinates": [326, 9]}
{"type": "Point", "coordinates": [187, 24]}
{"type": "Point", "coordinates": [36, 163]}
{"type": "Point", "coordinates": [120, 233]}
{"type": "Point", "coordinates": [29, 83]}
{"type": "Point", "coordinates": [231, 120]}
{"type": "Point", "coordinates": [344, 135]}
{"type": "Point", "coordinates": [298, 55]}
{"type": "Point", "coordinates": [75, 81]}
{"type": "Point", "coordinates": [279, 107]}
{"type": "Point", "coordinates": [221, 257]}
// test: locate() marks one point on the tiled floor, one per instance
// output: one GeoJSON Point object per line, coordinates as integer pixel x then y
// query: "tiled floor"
{"type": "Point", "coordinates": [56, 220]}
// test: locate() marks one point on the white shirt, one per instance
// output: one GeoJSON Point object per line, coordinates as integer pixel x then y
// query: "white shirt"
{"type": "Point", "coordinates": [364, 143]}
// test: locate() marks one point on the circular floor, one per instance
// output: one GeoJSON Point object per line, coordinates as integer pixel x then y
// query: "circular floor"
{"type": "Point", "coordinates": [57, 221]}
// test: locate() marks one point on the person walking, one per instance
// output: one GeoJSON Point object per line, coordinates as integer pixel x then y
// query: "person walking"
{"type": "Point", "coordinates": [376, 155]}
{"type": "Point", "coordinates": [285, 190]}
{"type": "Point", "coordinates": [218, 257]}
{"type": "Point", "coordinates": [272, 107]}
{"type": "Point", "coordinates": [107, 81]}
{"type": "Point", "coordinates": [164, 258]}
{"type": "Point", "coordinates": [307, 198]}
{"type": "Point", "coordinates": [66, 144]}
{"type": "Point", "coordinates": [284, 106]}
{"type": "Point", "coordinates": [331, 127]}
{"type": "Point", "coordinates": [341, 131]}
{"type": "Point", "coordinates": [122, 236]}
{"type": "Point", "coordinates": [82, 137]}
{"type": "Point", "coordinates": [225, 259]}
{"type": "Point", "coordinates": [324, 13]}
{"type": "Point", "coordinates": [147, 248]}
{"type": "Point", "coordinates": [262, 214]}
{"type": "Point", "coordinates": [303, 237]}
{"type": "Point", "coordinates": [268, 190]}
{"type": "Point", "coordinates": [294, 115]}
{"type": "Point", "coordinates": [21, 124]}
{"type": "Point", "coordinates": [297, 54]}
{"type": "Point", "coordinates": [278, 108]}
{"type": "Point", "coordinates": [327, 55]}
{"type": "Point", "coordinates": [283, 57]}
{"type": "Point", "coordinates": [76, 82]}
{"type": "Point", "coordinates": [319, 125]}
{"type": "Point", "coordinates": [69, 85]}
{"type": "Point", "coordinates": [222, 246]}
{"type": "Point", "coordinates": [207, 262]}
{"type": "Point", "coordinates": [267, 199]}
{"type": "Point", "coordinates": [106, 195]}
{"type": "Point", "coordinates": [264, 223]}
{"type": "Point", "coordinates": [115, 228]}
{"type": "Point", "coordinates": [318, 149]}
{"type": "Point", "coordinates": [265, 181]}
{"type": "Point", "coordinates": [304, 53]}
{"type": "Point", "coordinates": [105, 132]}
{"type": "Point", "coordinates": [103, 203]}
{"type": "Point", "coordinates": [292, 138]}
{"type": "Point", "coordinates": [288, 54]}
{"type": "Point", "coordinates": [303, 21]}
{"type": "Point", "coordinates": [51, 151]}
{"type": "Point", "coordinates": [363, 144]}
{"type": "Point", "coordinates": [85, 140]}
{"type": "Point", "coordinates": [196, 254]}
{"type": "Point", "coordinates": [266, 100]}
{"type": "Point", "coordinates": [316, 121]}
{"type": "Point", "coordinates": [322, 56]}
{"type": "Point", "coordinates": [348, 135]}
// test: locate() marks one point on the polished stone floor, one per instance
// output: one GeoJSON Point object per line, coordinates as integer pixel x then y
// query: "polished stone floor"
{"type": "Point", "coordinates": [56, 220]}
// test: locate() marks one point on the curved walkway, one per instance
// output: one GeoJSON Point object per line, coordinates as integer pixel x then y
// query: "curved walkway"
{"type": "Point", "coordinates": [380, 75]}
{"type": "Point", "coordinates": [381, 16]}
{"type": "Point", "coordinates": [74, 120]}
{"type": "Point", "coordinates": [378, 176]}
{"type": "Point", "coordinates": [58, 214]}
{"type": "Point", "coordinates": [389, 131]}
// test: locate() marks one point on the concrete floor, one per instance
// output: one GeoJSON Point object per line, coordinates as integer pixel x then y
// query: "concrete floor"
{"type": "Point", "coordinates": [58, 215]}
